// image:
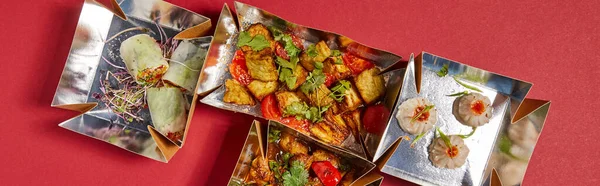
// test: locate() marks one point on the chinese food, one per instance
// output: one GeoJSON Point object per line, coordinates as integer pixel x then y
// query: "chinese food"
{"type": "Point", "coordinates": [312, 88]}
{"type": "Point", "coordinates": [291, 161]}
{"type": "Point", "coordinates": [448, 151]}
{"type": "Point", "coordinates": [186, 62]}
{"type": "Point", "coordinates": [474, 109]}
{"type": "Point", "coordinates": [143, 58]}
{"type": "Point", "coordinates": [416, 116]}
{"type": "Point", "coordinates": [168, 109]}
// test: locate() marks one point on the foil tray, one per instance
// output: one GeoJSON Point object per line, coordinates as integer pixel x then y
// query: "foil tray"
{"type": "Point", "coordinates": [505, 144]}
{"type": "Point", "coordinates": [256, 145]}
{"type": "Point", "coordinates": [97, 39]}
{"type": "Point", "coordinates": [223, 47]}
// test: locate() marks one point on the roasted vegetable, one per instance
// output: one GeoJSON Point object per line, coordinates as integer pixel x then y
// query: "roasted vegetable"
{"type": "Point", "coordinates": [353, 123]}
{"type": "Point", "coordinates": [328, 174]}
{"type": "Point", "coordinates": [320, 96]}
{"type": "Point", "coordinates": [371, 85]}
{"type": "Point", "coordinates": [260, 65]}
{"type": "Point", "coordinates": [328, 132]}
{"type": "Point", "coordinates": [285, 98]}
{"type": "Point", "coordinates": [313, 54]}
{"type": "Point", "coordinates": [288, 143]}
{"type": "Point", "coordinates": [351, 100]}
{"type": "Point", "coordinates": [260, 172]}
{"type": "Point", "coordinates": [335, 67]}
{"type": "Point", "coordinates": [260, 29]}
{"type": "Point", "coordinates": [321, 155]}
{"type": "Point", "coordinates": [261, 89]}
{"type": "Point", "coordinates": [236, 93]}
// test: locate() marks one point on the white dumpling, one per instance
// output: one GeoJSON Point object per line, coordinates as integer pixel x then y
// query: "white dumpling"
{"type": "Point", "coordinates": [523, 133]}
{"type": "Point", "coordinates": [448, 157]}
{"type": "Point", "coordinates": [474, 109]}
{"type": "Point", "coordinates": [409, 109]}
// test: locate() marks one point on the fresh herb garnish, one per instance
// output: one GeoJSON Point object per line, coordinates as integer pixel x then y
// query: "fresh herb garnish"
{"type": "Point", "coordinates": [302, 111]}
{"type": "Point", "coordinates": [288, 41]}
{"type": "Point", "coordinates": [314, 80]}
{"type": "Point", "coordinates": [470, 134]}
{"type": "Point", "coordinates": [257, 42]}
{"type": "Point", "coordinates": [296, 176]}
{"type": "Point", "coordinates": [274, 135]}
{"type": "Point", "coordinates": [318, 65]}
{"type": "Point", "coordinates": [339, 91]}
{"type": "Point", "coordinates": [444, 137]}
{"type": "Point", "coordinates": [336, 53]}
{"type": "Point", "coordinates": [425, 110]}
{"type": "Point", "coordinates": [416, 139]}
{"type": "Point", "coordinates": [286, 71]}
{"type": "Point", "coordinates": [466, 86]}
{"type": "Point", "coordinates": [459, 94]}
{"type": "Point", "coordinates": [312, 50]}
{"type": "Point", "coordinates": [443, 71]}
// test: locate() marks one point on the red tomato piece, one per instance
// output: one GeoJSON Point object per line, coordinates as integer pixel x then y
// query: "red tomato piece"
{"type": "Point", "coordinates": [300, 125]}
{"type": "Point", "coordinates": [280, 51]}
{"type": "Point", "coordinates": [327, 173]}
{"type": "Point", "coordinates": [297, 41]}
{"type": "Point", "coordinates": [356, 64]}
{"type": "Point", "coordinates": [329, 79]}
{"type": "Point", "coordinates": [239, 70]}
{"type": "Point", "coordinates": [269, 108]}
{"type": "Point", "coordinates": [375, 119]}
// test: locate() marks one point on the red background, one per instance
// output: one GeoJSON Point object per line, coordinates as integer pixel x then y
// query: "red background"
{"type": "Point", "coordinates": [552, 44]}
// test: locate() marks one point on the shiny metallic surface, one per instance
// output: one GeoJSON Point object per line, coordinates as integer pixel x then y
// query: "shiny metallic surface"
{"type": "Point", "coordinates": [412, 163]}
{"type": "Point", "coordinates": [97, 39]}
{"type": "Point", "coordinates": [223, 49]}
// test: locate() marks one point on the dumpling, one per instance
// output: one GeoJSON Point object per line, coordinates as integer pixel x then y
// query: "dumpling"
{"type": "Point", "coordinates": [409, 109]}
{"type": "Point", "coordinates": [443, 156]}
{"type": "Point", "coordinates": [474, 110]}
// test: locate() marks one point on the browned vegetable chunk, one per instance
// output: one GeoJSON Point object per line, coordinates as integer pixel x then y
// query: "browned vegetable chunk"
{"type": "Point", "coordinates": [260, 29]}
{"type": "Point", "coordinates": [339, 71]}
{"type": "Point", "coordinates": [236, 93]}
{"type": "Point", "coordinates": [320, 96]}
{"type": "Point", "coordinates": [328, 132]}
{"type": "Point", "coordinates": [347, 179]}
{"type": "Point", "coordinates": [304, 158]}
{"type": "Point", "coordinates": [323, 52]}
{"type": "Point", "coordinates": [301, 75]}
{"type": "Point", "coordinates": [285, 98]}
{"type": "Point", "coordinates": [352, 120]}
{"type": "Point", "coordinates": [314, 181]}
{"type": "Point", "coordinates": [260, 172]}
{"type": "Point", "coordinates": [261, 89]}
{"type": "Point", "coordinates": [288, 143]}
{"type": "Point", "coordinates": [321, 155]}
{"type": "Point", "coordinates": [351, 100]}
{"type": "Point", "coordinates": [370, 85]}
{"type": "Point", "coordinates": [260, 64]}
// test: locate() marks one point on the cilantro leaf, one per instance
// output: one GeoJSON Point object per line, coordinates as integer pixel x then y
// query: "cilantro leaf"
{"type": "Point", "coordinates": [296, 176]}
{"type": "Point", "coordinates": [336, 53]}
{"type": "Point", "coordinates": [302, 111]}
{"type": "Point", "coordinates": [286, 71]}
{"type": "Point", "coordinates": [273, 135]}
{"type": "Point", "coordinates": [257, 42]}
{"type": "Point", "coordinates": [339, 91]}
{"type": "Point", "coordinates": [285, 63]}
{"type": "Point", "coordinates": [289, 46]}
{"type": "Point", "coordinates": [338, 61]}
{"type": "Point", "coordinates": [318, 65]}
{"type": "Point", "coordinates": [443, 71]}
{"type": "Point", "coordinates": [312, 50]}
{"type": "Point", "coordinates": [315, 79]}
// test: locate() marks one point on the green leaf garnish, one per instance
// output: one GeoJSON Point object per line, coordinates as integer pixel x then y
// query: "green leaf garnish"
{"type": "Point", "coordinates": [417, 139]}
{"type": "Point", "coordinates": [459, 94]}
{"type": "Point", "coordinates": [338, 61]}
{"type": "Point", "coordinates": [312, 50]}
{"type": "Point", "coordinates": [318, 65]}
{"type": "Point", "coordinates": [257, 42]}
{"type": "Point", "coordinates": [468, 135]}
{"type": "Point", "coordinates": [286, 71]}
{"type": "Point", "coordinates": [289, 46]}
{"type": "Point", "coordinates": [296, 176]}
{"type": "Point", "coordinates": [314, 80]}
{"type": "Point", "coordinates": [302, 111]}
{"type": "Point", "coordinates": [339, 91]}
{"type": "Point", "coordinates": [443, 71]}
{"type": "Point", "coordinates": [335, 53]}
{"type": "Point", "coordinates": [426, 109]}
{"type": "Point", "coordinates": [274, 135]}
{"type": "Point", "coordinates": [467, 86]}
{"type": "Point", "coordinates": [444, 137]}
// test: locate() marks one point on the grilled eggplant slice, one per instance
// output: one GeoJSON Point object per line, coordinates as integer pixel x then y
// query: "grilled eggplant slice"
{"type": "Point", "coordinates": [371, 85]}
{"type": "Point", "coordinates": [260, 64]}
{"type": "Point", "coordinates": [236, 93]}
{"type": "Point", "coordinates": [353, 123]}
{"type": "Point", "coordinates": [261, 89]}
{"type": "Point", "coordinates": [323, 52]}
{"type": "Point", "coordinates": [288, 143]}
{"type": "Point", "coordinates": [320, 96]}
{"type": "Point", "coordinates": [338, 70]}
{"type": "Point", "coordinates": [285, 98]}
{"type": "Point", "coordinates": [328, 132]}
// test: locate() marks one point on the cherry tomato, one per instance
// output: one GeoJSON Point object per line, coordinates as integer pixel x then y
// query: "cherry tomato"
{"type": "Point", "coordinates": [300, 125]}
{"type": "Point", "coordinates": [269, 108]}
{"type": "Point", "coordinates": [280, 51]}
{"type": "Point", "coordinates": [329, 79]}
{"type": "Point", "coordinates": [239, 70]}
{"type": "Point", "coordinates": [327, 173]}
{"type": "Point", "coordinates": [356, 64]}
{"type": "Point", "coordinates": [297, 42]}
{"type": "Point", "coordinates": [375, 119]}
